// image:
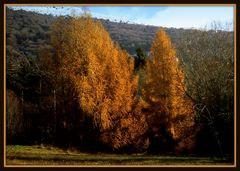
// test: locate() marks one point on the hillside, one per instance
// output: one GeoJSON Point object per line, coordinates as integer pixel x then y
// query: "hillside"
{"type": "Point", "coordinates": [29, 32]}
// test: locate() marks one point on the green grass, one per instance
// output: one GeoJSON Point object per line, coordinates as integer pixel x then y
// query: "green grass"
{"type": "Point", "coordinates": [41, 155]}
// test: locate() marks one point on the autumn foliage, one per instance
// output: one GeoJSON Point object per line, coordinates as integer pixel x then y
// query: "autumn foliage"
{"type": "Point", "coordinates": [102, 75]}
{"type": "Point", "coordinates": [91, 93]}
{"type": "Point", "coordinates": [164, 90]}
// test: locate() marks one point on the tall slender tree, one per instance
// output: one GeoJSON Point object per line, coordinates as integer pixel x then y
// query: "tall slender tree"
{"type": "Point", "coordinates": [172, 113]}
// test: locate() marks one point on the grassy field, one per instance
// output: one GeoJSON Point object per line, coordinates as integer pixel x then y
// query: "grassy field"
{"type": "Point", "coordinates": [41, 155]}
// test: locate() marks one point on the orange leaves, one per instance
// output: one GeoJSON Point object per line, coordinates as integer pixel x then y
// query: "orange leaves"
{"type": "Point", "coordinates": [164, 89]}
{"type": "Point", "coordinates": [101, 73]}
{"type": "Point", "coordinates": [103, 77]}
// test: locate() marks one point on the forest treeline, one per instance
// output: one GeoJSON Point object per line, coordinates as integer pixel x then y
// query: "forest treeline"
{"type": "Point", "coordinates": [29, 33]}
{"type": "Point", "coordinates": [85, 91]}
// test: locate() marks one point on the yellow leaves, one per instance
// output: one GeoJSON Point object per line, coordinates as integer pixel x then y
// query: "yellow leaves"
{"type": "Point", "coordinates": [101, 73]}
{"type": "Point", "coordinates": [105, 121]}
{"type": "Point", "coordinates": [103, 76]}
{"type": "Point", "coordinates": [164, 88]}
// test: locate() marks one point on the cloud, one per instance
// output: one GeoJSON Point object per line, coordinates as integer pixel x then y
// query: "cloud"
{"type": "Point", "coordinates": [131, 14]}
{"type": "Point", "coordinates": [178, 17]}
{"type": "Point", "coordinates": [173, 16]}
{"type": "Point", "coordinates": [187, 17]}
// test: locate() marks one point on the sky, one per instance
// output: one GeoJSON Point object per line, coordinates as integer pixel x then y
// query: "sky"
{"type": "Point", "coordinates": [165, 16]}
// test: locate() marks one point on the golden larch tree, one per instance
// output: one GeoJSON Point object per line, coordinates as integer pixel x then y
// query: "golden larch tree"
{"type": "Point", "coordinates": [102, 75]}
{"type": "Point", "coordinates": [164, 91]}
